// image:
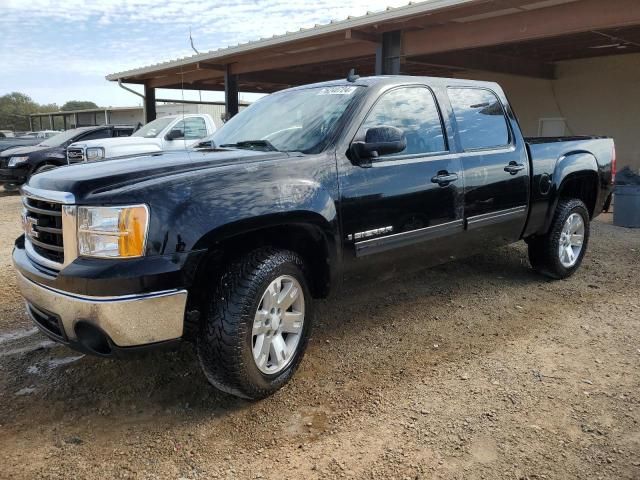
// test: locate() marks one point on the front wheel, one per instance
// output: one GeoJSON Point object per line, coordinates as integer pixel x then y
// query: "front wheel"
{"type": "Point", "coordinates": [43, 168]}
{"type": "Point", "coordinates": [257, 325]}
{"type": "Point", "coordinates": [559, 253]}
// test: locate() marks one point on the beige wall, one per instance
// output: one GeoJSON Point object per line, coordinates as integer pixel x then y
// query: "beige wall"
{"type": "Point", "coordinates": [597, 96]}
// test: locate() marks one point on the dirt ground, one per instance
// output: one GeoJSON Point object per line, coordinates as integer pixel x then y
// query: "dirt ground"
{"type": "Point", "coordinates": [479, 369]}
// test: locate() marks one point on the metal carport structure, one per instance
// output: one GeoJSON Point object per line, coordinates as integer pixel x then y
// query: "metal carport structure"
{"type": "Point", "coordinates": [523, 38]}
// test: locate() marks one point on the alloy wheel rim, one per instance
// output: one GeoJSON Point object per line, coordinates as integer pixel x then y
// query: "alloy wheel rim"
{"type": "Point", "coordinates": [277, 325]}
{"type": "Point", "coordinates": [571, 240]}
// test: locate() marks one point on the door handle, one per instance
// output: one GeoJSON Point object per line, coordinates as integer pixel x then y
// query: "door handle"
{"type": "Point", "coordinates": [513, 168]}
{"type": "Point", "coordinates": [444, 178]}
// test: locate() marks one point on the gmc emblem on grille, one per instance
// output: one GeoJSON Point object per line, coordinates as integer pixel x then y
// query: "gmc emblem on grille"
{"type": "Point", "coordinates": [28, 224]}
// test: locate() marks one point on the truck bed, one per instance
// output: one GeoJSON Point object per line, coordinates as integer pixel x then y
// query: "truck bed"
{"type": "Point", "coordinates": [573, 138]}
{"type": "Point", "coordinates": [554, 158]}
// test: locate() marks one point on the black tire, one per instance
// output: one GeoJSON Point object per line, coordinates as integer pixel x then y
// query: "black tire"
{"type": "Point", "coordinates": [544, 250]}
{"type": "Point", "coordinates": [11, 187]}
{"type": "Point", "coordinates": [225, 341]}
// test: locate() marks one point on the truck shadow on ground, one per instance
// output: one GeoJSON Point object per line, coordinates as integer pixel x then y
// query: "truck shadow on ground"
{"type": "Point", "coordinates": [163, 383]}
{"type": "Point", "coordinates": [9, 193]}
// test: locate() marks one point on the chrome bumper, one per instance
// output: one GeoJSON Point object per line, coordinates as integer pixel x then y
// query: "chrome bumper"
{"type": "Point", "coordinates": [132, 320]}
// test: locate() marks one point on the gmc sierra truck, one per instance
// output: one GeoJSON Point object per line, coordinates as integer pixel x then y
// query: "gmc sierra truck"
{"type": "Point", "coordinates": [228, 244]}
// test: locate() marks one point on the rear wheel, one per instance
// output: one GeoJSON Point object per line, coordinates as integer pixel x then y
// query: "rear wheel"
{"type": "Point", "coordinates": [559, 253]}
{"type": "Point", "coordinates": [257, 324]}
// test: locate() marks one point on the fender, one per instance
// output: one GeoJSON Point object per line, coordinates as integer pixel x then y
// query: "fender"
{"type": "Point", "coordinates": [240, 208]}
{"type": "Point", "coordinates": [302, 209]}
{"type": "Point", "coordinates": [567, 166]}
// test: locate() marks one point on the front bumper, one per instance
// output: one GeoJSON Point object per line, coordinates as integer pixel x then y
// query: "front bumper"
{"type": "Point", "coordinates": [16, 175]}
{"type": "Point", "coordinates": [104, 325]}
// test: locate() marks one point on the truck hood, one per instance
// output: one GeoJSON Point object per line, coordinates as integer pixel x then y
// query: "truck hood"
{"type": "Point", "coordinates": [118, 146]}
{"type": "Point", "coordinates": [25, 150]}
{"type": "Point", "coordinates": [110, 181]}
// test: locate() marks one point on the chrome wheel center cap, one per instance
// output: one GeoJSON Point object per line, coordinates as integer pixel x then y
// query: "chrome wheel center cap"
{"type": "Point", "coordinates": [275, 323]}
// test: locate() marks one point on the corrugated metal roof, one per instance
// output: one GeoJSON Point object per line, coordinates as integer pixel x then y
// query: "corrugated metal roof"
{"type": "Point", "coordinates": [370, 18]}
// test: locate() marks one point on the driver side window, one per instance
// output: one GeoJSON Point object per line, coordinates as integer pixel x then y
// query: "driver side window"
{"type": "Point", "coordinates": [414, 111]}
{"type": "Point", "coordinates": [191, 128]}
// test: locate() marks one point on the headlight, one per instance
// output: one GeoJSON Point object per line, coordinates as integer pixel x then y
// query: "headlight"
{"type": "Point", "coordinates": [95, 153]}
{"type": "Point", "coordinates": [112, 232]}
{"type": "Point", "coordinates": [15, 161]}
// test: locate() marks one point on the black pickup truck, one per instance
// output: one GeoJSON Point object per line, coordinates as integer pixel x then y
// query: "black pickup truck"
{"type": "Point", "coordinates": [228, 244]}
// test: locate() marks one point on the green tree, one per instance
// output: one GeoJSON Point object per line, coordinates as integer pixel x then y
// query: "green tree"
{"type": "Point", "coordinates": [15, 108]}
{"type": "Point", "coordinates": [78, 105]}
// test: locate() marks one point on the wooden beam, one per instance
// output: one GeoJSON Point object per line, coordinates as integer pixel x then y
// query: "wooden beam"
{"type": "Point", "coordinates": [285, 77]}
{"type": "Point", "coordinates": [188, 77]}
{"type": "Point", "coordinates": [358, 36]}
{"type": "Point", "coordinates": [306, 58]}
{"type": "Point", "coordinates": [324, 41]}
{"type": "Point", "coordinates": [210, 66]}
{"type": "Point", "coordinates": [478, 60]}
{"type": "Point", "coordinates": [555, 21]}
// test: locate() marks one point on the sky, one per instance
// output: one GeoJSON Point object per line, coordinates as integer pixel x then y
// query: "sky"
{"type": "Point", "coordinates": [55, 51]}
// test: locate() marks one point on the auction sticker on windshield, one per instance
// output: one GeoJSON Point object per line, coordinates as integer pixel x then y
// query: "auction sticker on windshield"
{"type": "Point", "coordinates": [341, 90]}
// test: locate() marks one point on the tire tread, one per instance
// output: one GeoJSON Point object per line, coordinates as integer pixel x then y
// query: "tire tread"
{"type": "Point", "coordinates": [543, 249]}
{"type": "Point", "coordinates": [230, 313]}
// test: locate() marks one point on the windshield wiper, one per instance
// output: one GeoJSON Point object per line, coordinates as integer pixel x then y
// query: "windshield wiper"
{"type": "Point", "coordinates": [262, 145]}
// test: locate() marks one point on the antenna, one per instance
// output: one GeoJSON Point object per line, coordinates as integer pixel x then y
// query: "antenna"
{"type": "Point", "coordinates": [191, 40]}
{"type": "Point", "coordinates": [352, 77]}
{"type": "Point", "coordinates": [197, 53]}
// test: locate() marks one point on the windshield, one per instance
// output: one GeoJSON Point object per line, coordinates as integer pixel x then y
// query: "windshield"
{"type": "Point", "coordinates": [291, 121]}
{"type": "Point", "coordinates": [61, 138]}
{"type": "Point", "coordinates": [153, 129]}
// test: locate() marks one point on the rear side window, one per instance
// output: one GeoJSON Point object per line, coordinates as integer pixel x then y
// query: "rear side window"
{"type": "Point", "coordinates": [480, 118]}
{"type": "Point", "coordinates": [414, 111]}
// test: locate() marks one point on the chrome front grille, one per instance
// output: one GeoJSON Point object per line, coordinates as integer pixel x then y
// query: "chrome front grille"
{"type": "Point", "coordinates": [42, 221]}
{"type": "Point", "coordinates": [75, 155]}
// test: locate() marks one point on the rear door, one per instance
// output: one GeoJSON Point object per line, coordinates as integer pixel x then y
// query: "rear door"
{"type": "Point", "coordinates": [496, 167]}
{"type": "Point", "coordinates": [395, 209]}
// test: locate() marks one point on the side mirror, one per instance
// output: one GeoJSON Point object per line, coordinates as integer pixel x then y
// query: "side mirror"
{"type": "Point", "coordinates": [383, 140]}
{"type": "Point", "coordinates": [174, 134]}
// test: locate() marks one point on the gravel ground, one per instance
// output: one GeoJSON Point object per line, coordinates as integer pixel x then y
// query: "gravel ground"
{"type": "Point", "coordinates": [479, 369]}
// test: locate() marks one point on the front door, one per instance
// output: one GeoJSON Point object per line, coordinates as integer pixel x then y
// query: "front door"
{"type": "Point", "coordinates": [394, 209]}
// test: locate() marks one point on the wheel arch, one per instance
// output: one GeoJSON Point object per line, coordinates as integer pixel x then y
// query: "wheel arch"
{"type": "Point", "coordinates": [306, 233]}
{"type": "Point", "coordinates": [575, 176]}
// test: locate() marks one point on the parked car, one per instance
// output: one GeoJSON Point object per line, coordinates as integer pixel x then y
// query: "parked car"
{"type": "Point", "coordinates": [13, 142]}
{"type": "Point", "coordinates": [7, 134]}
{"type": "Point", "coordinates": [175, 132]}
{"type": "Point", "coordinates": [17, 164]}
{"type": "Point", "coordinates": [42, 134]}
{"type": "Point", "coordinates": [230, 243]}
